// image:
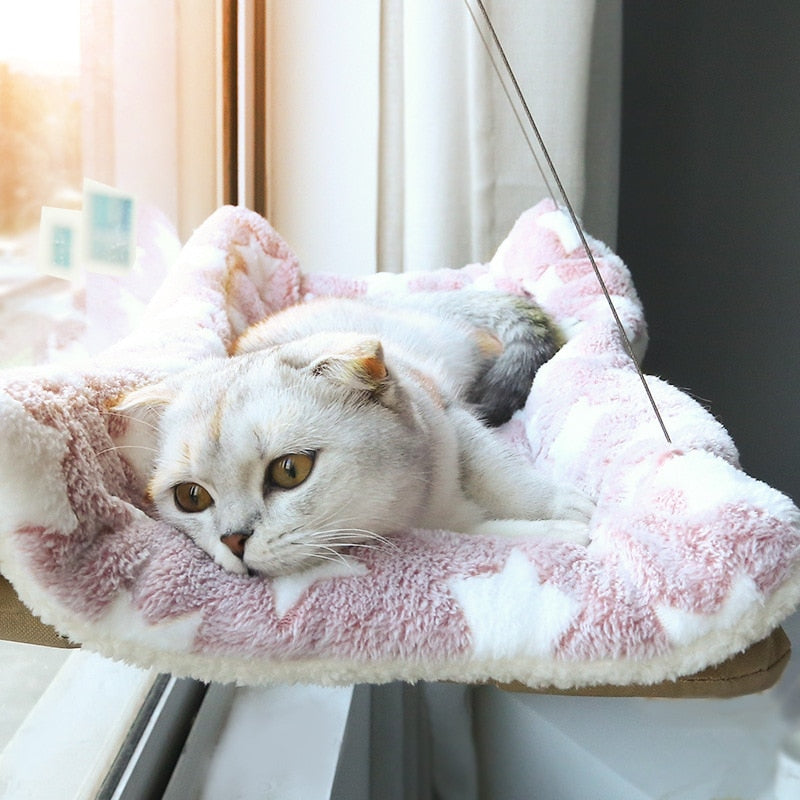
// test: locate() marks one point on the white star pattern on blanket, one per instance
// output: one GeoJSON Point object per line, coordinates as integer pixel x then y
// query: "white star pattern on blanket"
{"type": "Point", "coordinates": [288, 589]}
{"type": "Point", "coordinates": [683, 626]}
{"type": "Point", "coordinates": [499, 610]}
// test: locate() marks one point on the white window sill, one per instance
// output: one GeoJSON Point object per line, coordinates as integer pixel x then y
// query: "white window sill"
{"type": "Point", "coordinates": [27, 671]}
{"type": "Point", "coordinates": [67, 743]}
{"type": "Point", "coordinates": [276, 741]}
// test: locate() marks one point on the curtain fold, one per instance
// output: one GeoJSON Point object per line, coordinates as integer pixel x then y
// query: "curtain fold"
{"type": "Point", "coordinates": [456, 169]}
{"type": "Point", "coordinates": [391, 144]}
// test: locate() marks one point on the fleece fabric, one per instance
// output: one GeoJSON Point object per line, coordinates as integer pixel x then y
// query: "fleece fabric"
{"type": "Point", "coordinates": [690, 561]}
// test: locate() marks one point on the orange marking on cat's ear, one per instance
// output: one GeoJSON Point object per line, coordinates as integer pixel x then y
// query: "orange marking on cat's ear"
{"type": "Point", "coordinates": [369, 363]}
{"type": "Point", "coordinates": [374, 366]}
{"type": "Point", "coordinates": [361, 366]}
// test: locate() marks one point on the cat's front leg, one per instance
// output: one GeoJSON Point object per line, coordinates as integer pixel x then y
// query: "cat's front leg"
{"type": "Point", "coordinates": [571, 504]}
{"type": "Point", "coordinates": [507, 486]}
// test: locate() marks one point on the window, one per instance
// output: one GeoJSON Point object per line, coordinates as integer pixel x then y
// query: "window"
{"type": "Point", "coordinates": [124, 93]}
{"type": "Point", "coordinates": [40, 135]}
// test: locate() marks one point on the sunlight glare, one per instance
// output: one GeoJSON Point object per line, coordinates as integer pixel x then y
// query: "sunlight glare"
{"type": "Point", "coordinates": [41, 36]}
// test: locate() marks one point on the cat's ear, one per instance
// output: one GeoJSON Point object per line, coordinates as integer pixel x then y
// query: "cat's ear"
{"type": "Point", "coordinates": [360, 367]}
{"type": "Point", "coordinates": [151, 398]}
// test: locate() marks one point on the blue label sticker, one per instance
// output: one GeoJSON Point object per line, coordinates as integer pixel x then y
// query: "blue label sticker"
{"type": "Point", "coordinates": [62, 246]}
{"type": "Point", "coordinates": [111, 220]}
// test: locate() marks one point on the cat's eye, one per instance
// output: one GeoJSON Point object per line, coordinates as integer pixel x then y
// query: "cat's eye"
{"type": "Point", "coordinates": [290, 470]}
{"type": "Point", "coordinates": [192, 497]}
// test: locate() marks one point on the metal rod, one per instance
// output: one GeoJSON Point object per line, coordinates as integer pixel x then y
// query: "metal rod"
{"type": "Point", "coordinates": [565, 201]}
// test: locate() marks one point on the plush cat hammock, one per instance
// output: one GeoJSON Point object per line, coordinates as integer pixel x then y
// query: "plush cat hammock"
{"type": "Point", "coordinates": [691, 561]}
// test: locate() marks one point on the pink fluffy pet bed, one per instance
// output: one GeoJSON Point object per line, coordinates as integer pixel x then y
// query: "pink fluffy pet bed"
{"type": "Point", "coordinates": [690, 560]}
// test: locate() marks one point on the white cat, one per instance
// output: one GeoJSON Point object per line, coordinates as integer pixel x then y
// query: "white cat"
{"type": "Point", "coordinates": [337, 422]}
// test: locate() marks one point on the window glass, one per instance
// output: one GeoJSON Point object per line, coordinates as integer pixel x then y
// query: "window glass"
{"type": "Point", "coordinates": [40, 126]}
{"type": "Point", "coordinates": [122, 93]}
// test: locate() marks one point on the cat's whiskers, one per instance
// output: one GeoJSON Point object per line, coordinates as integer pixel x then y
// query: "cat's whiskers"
{"type": "Point", "coordinates": [343, 522]}
{"type": "Point", "coordinates": [379, 546]}
{"type": "Point", "coordinates": [126, 447]}
{"type": "Point", "coordinates": [361, 535]}
{"type": "Point", "coordinates": [332, 533]}
{"type": "Point", "coordinates": [312, 539]}
{"type": "Point", "coordinates": [333, 555]}
{"type": "Point", "coordinates": [331, 524]}
{"type": "Point", "coordinates": [130, 418]}
{"type": "Point", "coordinates": [334, 539]}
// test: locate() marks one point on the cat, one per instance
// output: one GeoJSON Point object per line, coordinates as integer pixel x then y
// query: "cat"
{"type": "Point", "coordinates": [338, 421]}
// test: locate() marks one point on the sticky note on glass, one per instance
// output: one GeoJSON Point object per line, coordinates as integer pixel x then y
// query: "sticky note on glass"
{"type": "Point", "coordinates": [108, 233]}
{"type": "Point", "coordinates": [60, 243]}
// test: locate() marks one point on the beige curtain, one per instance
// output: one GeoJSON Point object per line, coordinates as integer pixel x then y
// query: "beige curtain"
{"type": "Point", "coordinates": [455, 169]}
{"type": "Point", "coordinates": [391, 143]}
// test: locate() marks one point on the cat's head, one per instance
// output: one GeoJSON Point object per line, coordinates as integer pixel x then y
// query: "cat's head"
{"type": "Point", "coordinates": [275, 460]}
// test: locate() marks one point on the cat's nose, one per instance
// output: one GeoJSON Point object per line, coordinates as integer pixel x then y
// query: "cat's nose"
{"type": "Point", "coordinates": [235, 541]}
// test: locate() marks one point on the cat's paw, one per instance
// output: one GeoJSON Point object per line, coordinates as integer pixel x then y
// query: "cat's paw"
{"type": "Point", "coordinates": [570, 504]}
{"type": "Point", "coordinates": [562, 530]}
{"type": "Point", "coordinates": [567, 530]}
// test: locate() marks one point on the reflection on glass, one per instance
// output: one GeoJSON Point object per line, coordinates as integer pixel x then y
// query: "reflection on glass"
{"type": "Point", "coordinates": [40, 119]}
